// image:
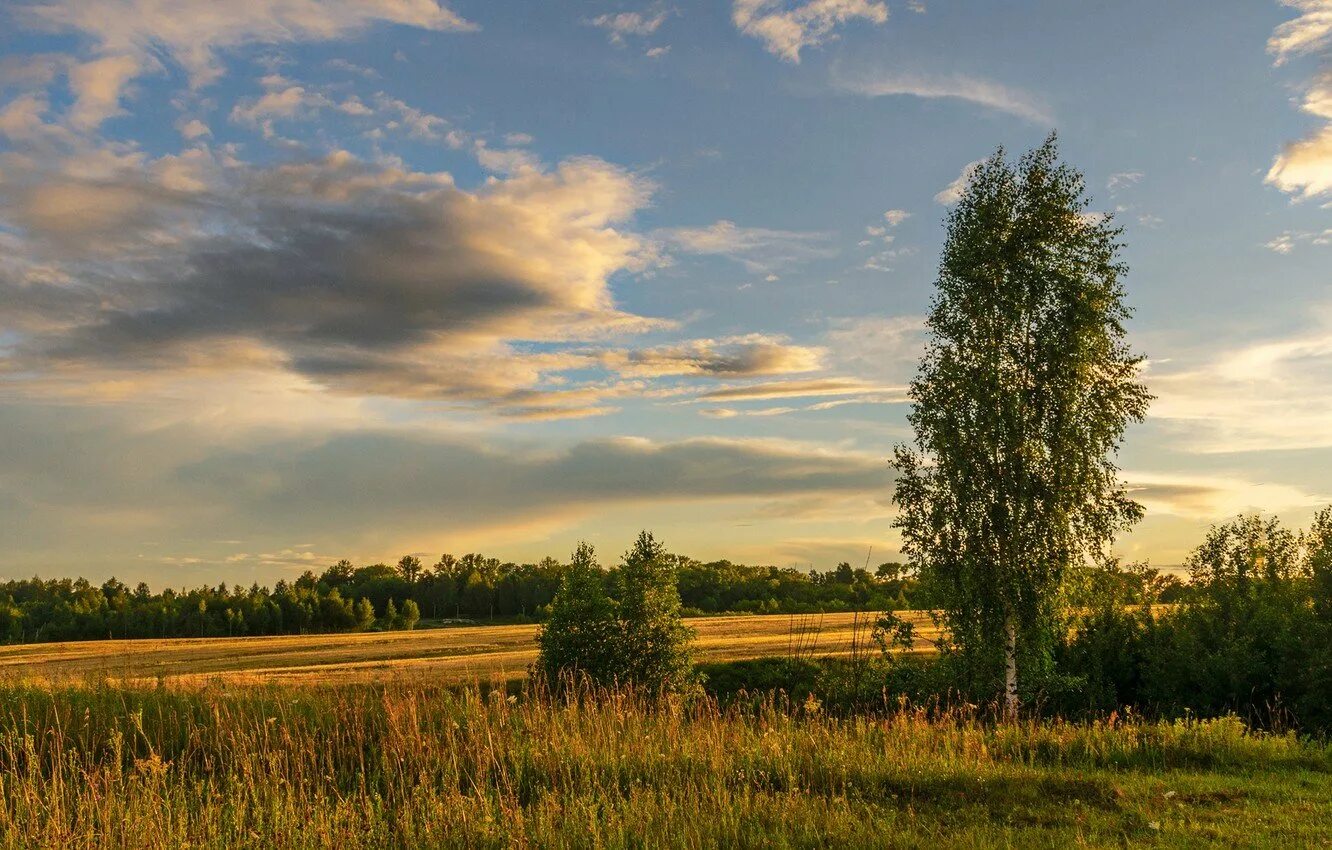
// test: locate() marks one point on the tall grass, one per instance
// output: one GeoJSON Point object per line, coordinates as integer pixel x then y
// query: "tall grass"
{"type": "Point", "coordinates": [416, 765]}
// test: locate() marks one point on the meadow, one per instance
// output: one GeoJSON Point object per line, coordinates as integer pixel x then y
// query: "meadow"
{"type": "Point", "coordinates": [455, 654]}
{"type": "Point", "coordinates": [408, 764]}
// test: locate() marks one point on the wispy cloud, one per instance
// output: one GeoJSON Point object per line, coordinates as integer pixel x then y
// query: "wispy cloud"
{"type": "Point", "coordinates": [974, 90]}
{"type": "Point", "coordinates": [759, 249]}
{"type": "Point", "coordinates": [1269, 395]}
{"type": "Point", "coordinates": [620, 25]}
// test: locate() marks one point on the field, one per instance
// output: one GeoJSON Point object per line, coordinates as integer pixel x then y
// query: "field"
{"type": "Point", "coordinates": [413, 765]}
{"type": "Point", "coordinates": [225, 743]}
{"type": "Point", "coordinates": [455, 654]}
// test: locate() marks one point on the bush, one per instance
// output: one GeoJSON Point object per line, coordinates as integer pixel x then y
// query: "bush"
{"type": "Point", "coordinates": [581, 636]}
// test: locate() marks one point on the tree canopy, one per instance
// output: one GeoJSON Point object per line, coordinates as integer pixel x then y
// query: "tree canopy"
{"type": "Point", "coordinates": [1022, 398]}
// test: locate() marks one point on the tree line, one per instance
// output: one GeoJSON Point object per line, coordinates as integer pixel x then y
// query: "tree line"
{"type": "Point", "coordinates": [473, 587]}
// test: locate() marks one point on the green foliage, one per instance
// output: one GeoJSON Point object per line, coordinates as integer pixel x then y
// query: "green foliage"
{"type": "Point", "coordinates": [654, 642]}
{"type": "Point", "coordinates": [365, 614]}
{"type": "Point", "coordinates": [636, 638]}
{"type": "Point", "coordinates": [473, 587]}
{"type": "Point", "coordinates": [410, 615]}
{"type": "Point", "coordinates": [582, 635]}
{"type": "Point", "coordinates": [1252, 639]}
{"type": "Point", "coordinates": [1023, 395]}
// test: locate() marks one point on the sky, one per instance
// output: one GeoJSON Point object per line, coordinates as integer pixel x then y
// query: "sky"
{"type": "Point", "coordinates": [285, 281]}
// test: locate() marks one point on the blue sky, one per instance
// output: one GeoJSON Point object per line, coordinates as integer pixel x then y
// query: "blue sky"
{"type": "Point", "coordinates": [285, 281]}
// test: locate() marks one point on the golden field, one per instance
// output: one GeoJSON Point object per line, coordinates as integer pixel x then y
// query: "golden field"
{"type": "Point", "coordinates": [452, 654]}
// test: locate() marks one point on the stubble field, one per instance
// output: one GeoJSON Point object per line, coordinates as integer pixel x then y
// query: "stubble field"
{"type": "Point", "coordinates": [442, 655]}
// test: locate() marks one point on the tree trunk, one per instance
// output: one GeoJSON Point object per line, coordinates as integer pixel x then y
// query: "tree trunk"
{"type": "Point", "coordinates": [1010, 670]}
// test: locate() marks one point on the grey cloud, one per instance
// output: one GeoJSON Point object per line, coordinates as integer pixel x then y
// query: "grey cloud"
{"type": "Point", "coordinates": [91, 490]}
{"type": "Point", "coordinates": [355, 275]}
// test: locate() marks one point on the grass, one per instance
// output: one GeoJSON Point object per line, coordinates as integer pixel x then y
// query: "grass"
{"type": "Point", "coordinates": [458, 654]}
{"type": "Point", "coordinates": [407, 764]}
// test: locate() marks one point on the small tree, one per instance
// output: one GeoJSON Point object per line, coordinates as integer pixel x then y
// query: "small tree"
{"type": "Point", "coordinates": [1024, 392]}
{"type": "Point", "coordinates": [582, 634]}
{"type": "Point", "coordinates": [654, 639]}
{"type": "Point", "coordinates": [411, 613]}
{"type": "Point", "coordinates": [390, 618]}
{"type": "Point", "coordinates": [365, 614]}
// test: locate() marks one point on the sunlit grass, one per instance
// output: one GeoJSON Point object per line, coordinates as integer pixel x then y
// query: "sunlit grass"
{"type": "Point", "coordinates": [413, 765]}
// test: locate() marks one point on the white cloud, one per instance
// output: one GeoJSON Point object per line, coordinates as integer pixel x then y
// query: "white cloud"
{"type": "Point", "coordinates": [282, 103]}
{"type": "Point", "coordinates": [192, 32]}
{"type": "Point", "coordinates": [977, 90]}
{"type": "Point", "coordinates": [133, 37]}
{"type": "Point", "coordinates": [1288, 240]}
{"type": "Point", "coordinates": [1207, 497]}
{"type": "Point", "coordinates": [1307, 33]}
{"type": "Point", "coordinates": [1260, 396]}
{"type": "Point", "coordinates": [1123, 180]}
{"type": "Point", "coordinates": [22, 117]}
{"type": "Point", "coordinates": [1304, 167]}
{"type": "Point", "coordinates": [759, 249]}
{"type": "Point", "coordinates": [952, 193]}
{"type": "Point", "coordinates": [896, 217]}
{"type": "Point", "coordinates": [97, 88]}
{"type": "Point", "coordinates": [194, 129]}
{"type": "Point", "coordinates": [621, 24]}
{"type": "Point", "coordinates": [786, 28]}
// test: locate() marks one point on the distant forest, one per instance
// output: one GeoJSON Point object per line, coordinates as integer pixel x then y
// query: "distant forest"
{"type": "Point", "coordinates": [347, 598]}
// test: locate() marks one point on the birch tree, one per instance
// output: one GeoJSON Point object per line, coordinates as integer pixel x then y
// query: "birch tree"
{"type": "Point", "coordinates": [1023, 395]}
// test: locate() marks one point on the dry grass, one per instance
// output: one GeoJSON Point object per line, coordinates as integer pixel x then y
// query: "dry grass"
{"type": "Point", "coordinates": [412, 765]}
{"type": "Point", "coordinates": [449, 655]}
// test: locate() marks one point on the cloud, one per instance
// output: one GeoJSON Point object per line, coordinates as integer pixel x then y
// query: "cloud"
{"type": "Point", "coordinates": [1123, 180]}
{"type": "Point", "coordinates": [1289, 239]}
{"type": "Point", "coordinates": [619, 25]}
{"type": "Point", "coordinates": [284, 102]}
{"type": "Point", "coordinates": [896, 217]}
{"type": "Point", "coordinates": [23, 117]}
{"type": "Point", "coordinates": [1262, 396]}
{"type": "Point", "coordinates": [192, 33]}
{"type": "Point", "coordinates": [752, 355]}
{"type": "Point", "coordinates": [366, 494]}
{"type": "Point", "coordinates": [803, 389]}
{"type": "Point", "coordinates": [1304, 167]}
{"type": "Point", "coordinates": [786, 28]}
{"type": "Point", "coordinates": [952, 193]}
{"type": "Point", "coordinates": [364, 278]}
{"type": "Point", "coordinates": [129, 38]}
{"type": "Point", "coordinates": [1211, 497]}
{"type": "Point", "coordinates": [977, 90]}
{"type": "Point", "coordinates": [97, 87]}
{"type": "Point", "coordinates": [881, 348]}
{"type": "Point", "coordinates": [194, 129]}
{"type": "Point", "coordinates": [1309, 32]}
{"type": "Point", "coordinates": [758, 249]}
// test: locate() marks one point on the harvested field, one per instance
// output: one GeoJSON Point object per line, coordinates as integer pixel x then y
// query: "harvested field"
{"type": "Point", "coordinates": [453, 654]}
